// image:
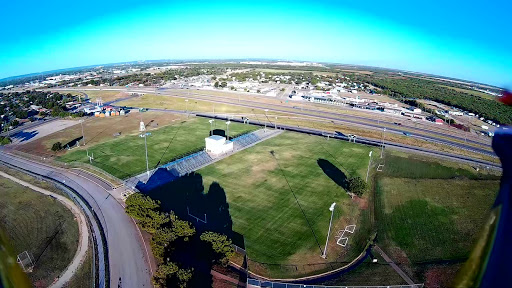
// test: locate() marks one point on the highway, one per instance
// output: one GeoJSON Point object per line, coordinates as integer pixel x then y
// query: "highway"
{"type": "Point", "coordinates": [128, 259]}
{"type": "Point", "coordinates": [333, 117]}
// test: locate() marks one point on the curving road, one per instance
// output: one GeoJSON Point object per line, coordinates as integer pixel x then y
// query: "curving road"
{"type": "Point", "coordinates": [128, 259]}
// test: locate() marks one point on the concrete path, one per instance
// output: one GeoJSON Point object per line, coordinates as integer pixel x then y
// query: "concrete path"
{"type": "Point", "coordinates": [83, 241]}
{"type": "Point", "coordinates": [392, 263]}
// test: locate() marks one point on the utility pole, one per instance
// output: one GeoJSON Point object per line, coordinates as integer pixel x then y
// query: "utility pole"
{"type": "Point", "coordinates": [368, 171]}
{"type": "Point", "coordinates": [82, 124]}
{"type": "Point", "coordinates": [266, 110]}
{"type": "Point", "coordinates": [211, 126]}
{"type": "Point", "coordinates": [329, 231]}
{"type": "Point", "coordinates": [186, 109]}
{"type": "Point", "coordinates": [275, 124]}
{"type": "Point", "coordinates": [227, 128]}
{"type": "Point", "coordinates": [382, 145]}
{"type": "Point", "coordinates": [144, 134]}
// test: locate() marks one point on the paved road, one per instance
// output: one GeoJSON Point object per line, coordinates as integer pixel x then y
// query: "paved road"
{"type": "Point", "coordinates": [127, 253]}
{"type": "Point", "coordinates": [83, 231]}
{"type": "Point", "coordinates": [336, 117]}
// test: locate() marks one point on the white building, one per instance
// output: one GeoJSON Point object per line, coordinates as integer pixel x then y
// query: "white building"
{"type": "Point", "coordinates": [217, 145]}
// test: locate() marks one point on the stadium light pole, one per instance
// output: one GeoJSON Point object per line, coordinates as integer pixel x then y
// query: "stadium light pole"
{"type": "Point", "coordinates": [142, 129]}
{"type": "Point", "coordinates": [370, 162]}
{"type": "Point", "coordinates": [275, 124]}
{"type": "Point", "coordinates": [82, 124]}
{"type": "Point", "coordinates": [382, 146]}
{"type": "Point", "coordinates": [186, 107]}
{"type": "Point", "coordinates": [266, 110]}
{"type": "Point", "coordinates": [227, 126]}
{"type": "Point", "coordinates": [329, 231]}
{"type": "Point", "coordinates": [211, 126]}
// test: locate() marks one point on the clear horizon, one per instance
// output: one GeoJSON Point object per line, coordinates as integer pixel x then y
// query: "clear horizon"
{"type": "Point", "coordinates": [437, 38]}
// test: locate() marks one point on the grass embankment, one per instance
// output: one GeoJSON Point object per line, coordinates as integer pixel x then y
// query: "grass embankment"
{"type": "Point", "coordinates": [430, 213]}
{"type": "Point", "coordinates": [125, 156]}
{"type": "Point", "coordinates": [264, 209]}
{"type": "Point", "coordinates": [40, 225]}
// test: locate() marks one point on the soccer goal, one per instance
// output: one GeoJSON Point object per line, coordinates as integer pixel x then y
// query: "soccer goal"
{"type": "Point", "coordinates": [195, 217]}
{"type": "Point", "coordinates": [26, 262]}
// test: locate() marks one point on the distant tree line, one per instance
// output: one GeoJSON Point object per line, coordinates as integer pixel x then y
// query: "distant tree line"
{"type": "Point", "coordinates": [413, 88]}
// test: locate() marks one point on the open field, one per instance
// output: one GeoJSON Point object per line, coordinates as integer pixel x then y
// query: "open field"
{"type": "Point", "coordinates": [294, 106]}
{"type": "Point", "coordinates": [472, 92]}
{"type": "Point", "coordinates": [264, 210]}
{"type": "Point", "coordinates": [429, 213]}
{"type": "Point", "coordinates": [98, 130]}
{"type": "Point", "coordinates": [106, 95]}
{"type": "Point", "coordinates": [125, 156]}
{"type": "Point", "coordinates": [175, 103]}
{"type": "Point", "coordinates": [40, 225]}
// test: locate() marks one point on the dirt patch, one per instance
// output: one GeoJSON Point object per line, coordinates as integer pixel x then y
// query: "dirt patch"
{"type": "Point", "coordinates": [98, 130]}
{"type": "Point", "coordinates": [441, 275]}
{"type": "Point", "coordinates": [361, 202]}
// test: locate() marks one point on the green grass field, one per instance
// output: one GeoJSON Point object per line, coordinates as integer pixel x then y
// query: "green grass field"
{"type": "Point", "coordinates": [125, 156]}
{"type": "Point", "coordinates": [265, 211]}
{"type": "Point", "coordinates": [40, 225]}
{"type": "Point", "coordinates": [471, 92]}
{"type": "Point", "coordinates": [431, 211]}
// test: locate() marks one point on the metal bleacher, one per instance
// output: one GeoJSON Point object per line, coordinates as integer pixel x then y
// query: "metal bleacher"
{"type": "Point", "coordinates": [200, 159]}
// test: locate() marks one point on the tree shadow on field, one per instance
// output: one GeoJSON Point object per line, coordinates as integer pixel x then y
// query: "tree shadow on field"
{"type": "Point", "coordinates": [334, 173]}
{"type": "Point", "coordinates": [206, 211]}
{"type": "Point", "coordinates": [72, 143]}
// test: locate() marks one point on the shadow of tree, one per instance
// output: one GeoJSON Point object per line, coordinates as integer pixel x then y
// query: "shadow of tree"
{"type": "Point", "coordinates": [334, 173]}
{"type": "Point", "coordinates": [72, 142]}
{"type": "Point", "coordinates": [186, 197]}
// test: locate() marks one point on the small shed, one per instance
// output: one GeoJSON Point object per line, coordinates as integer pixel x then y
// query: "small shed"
{"type": "Point", "coordinates": [217, 145]}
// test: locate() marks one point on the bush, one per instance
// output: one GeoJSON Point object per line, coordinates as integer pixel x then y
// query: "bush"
{"type": "Point", "coordinates": [4, 140]}
{"type": "Point", "coordinates": [357, 186]}
{"type": "Point", "coordinates": [56, 146]}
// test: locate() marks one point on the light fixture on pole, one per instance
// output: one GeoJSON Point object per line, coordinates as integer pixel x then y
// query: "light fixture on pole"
{"type": "Point", "coordinates": [370, 162]}
{"type": "Point", "coordinates": [275, 124]}
{"type": "Point", "coordinates": [329, 231]}
{"type": "Point", "coordinates": [227, 128]}
{"type": "Point", "coordinates": [142, 129]}
{"type": "Point", "coordinates": [82, 124]}
{"type": "Point", "coordinates": [186, 107]}
{"type": "Point", "coordinates": [266, 110]}
{"type": "Point", "coordinates": [382, 145]}
{"type": "Point", "coordinates": [211, 126]}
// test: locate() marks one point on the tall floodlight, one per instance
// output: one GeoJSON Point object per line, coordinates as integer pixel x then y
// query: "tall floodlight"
{"type": "Point", "coordinates": [382, 145]}
{"type": "Point", "coordinates": [329, 231]}
{"type": "Point", "coordinates": [370, 162]}
{"type": "Point", "coordinates": [82, 124]}
{"type": "Point", "coordinates": [227, 128]}
{"type": "Point", "coordinates": [211, 126]}
{"type": "Point", "coordinates": [186, 109]}
{"type": "Point", "coordinates": [266, 110]}
{"type": "Point", "coordinates": [142, 129]}
{"type": "Point", "coordinates": [275, 124]}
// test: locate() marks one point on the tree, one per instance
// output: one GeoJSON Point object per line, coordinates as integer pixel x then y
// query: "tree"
{"type": "Point", "coordinates": [357, 185]}
{"type": "Point", "coordinates": [15, 123]}
{"type": "Point", "coordinates": [221, 246]}
{"type": "Point", "coordinates": [4, 140]}
{"type": "Point", "coordinates": [56, 146]}
{"type": "Point", "coordinates": [216, 85]}
{"type": "Point", "coordinates": [258, 91]}
{"type": "Point", "coordinates": [223, 84]}
{"type": "Point", "coordinates": [146, 211]}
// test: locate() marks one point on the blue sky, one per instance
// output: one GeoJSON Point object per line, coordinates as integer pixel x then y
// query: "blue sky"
{"type": "Point", "coordinates": [464, 39]}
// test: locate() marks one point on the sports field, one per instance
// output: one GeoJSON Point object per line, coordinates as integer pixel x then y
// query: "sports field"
{"type": "Point", "coordinates": [125, 156]}
{"type": "Point", "coordinates": [279, 202]}
{"type": "Point", "coordinates": [98, 130]}
{"type": "Point", "coordinates": [430, 213]}
{"type": "Point", "coordinates": [40, 225]}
